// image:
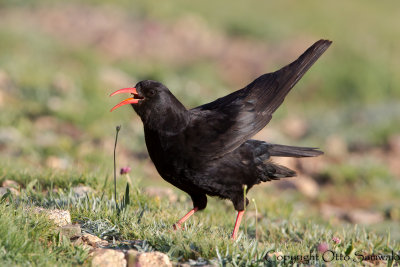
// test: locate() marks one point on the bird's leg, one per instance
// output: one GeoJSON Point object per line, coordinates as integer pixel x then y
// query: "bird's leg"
{"type": "Point", "coordinates": [237, 224]}
{"type": "Point", "coordinates": [184, 218]}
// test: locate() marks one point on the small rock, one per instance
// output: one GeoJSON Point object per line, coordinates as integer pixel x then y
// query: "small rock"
{"type": "Point", "coordinates": [82, 190]}
{"type": "Point", "coordinates": [108, 258]}
{"type": "Point", "coordinates": [70, 230]}
{"type": "Point", "coordinates": [161, 192]}
{"type": "Point", "coordinates": [3, 191]}
{"type": "Point", "coordinates": [59, 217]}
{"type": "Point", "coordinates": [365, 217]}
{"type": "Point", "coordinates": [353, 216]}
{"type": "Point", "coordinates": [147, 259]}
{"type": "Point", "coordinates": [90, 240]}
{"type": "Point", "coordinates": [10, 184]}
{"type": "Point", "coordinates": [304, 184]}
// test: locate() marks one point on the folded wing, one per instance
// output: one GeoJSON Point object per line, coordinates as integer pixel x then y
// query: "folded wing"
{"type": "Point", "coordinates": [223, 125]}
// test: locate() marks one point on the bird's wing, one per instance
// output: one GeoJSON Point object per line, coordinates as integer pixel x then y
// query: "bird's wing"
{"type": "Point", "coordinates": [221, 126]}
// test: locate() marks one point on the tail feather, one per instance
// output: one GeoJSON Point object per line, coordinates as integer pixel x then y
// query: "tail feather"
{"type": "Point", "coordinates": [293, 151]}
{"type": "Point", "coordinates": [271, 171]}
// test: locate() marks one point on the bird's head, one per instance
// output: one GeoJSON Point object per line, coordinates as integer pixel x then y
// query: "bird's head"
{"type": "Point", "coordinates": [153, 102]}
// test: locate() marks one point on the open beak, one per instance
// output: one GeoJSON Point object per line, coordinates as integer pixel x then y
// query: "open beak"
{"type": "Point", "coordinates": [132, 100]}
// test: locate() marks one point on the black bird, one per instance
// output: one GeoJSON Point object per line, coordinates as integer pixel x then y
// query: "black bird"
{"type": "Point", "coordinates": [207, 150]}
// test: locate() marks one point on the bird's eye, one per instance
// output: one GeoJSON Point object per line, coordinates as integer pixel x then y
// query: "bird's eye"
{"type": "Point", "coordinates": [152, 93]}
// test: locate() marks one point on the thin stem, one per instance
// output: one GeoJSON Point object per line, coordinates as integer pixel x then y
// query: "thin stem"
{"type": "Point", "coordinates": [118, 128]}
{"type": "Point", "coordinates": [245, 202]}
{"type": "Point", "coordinates": [255, 205]}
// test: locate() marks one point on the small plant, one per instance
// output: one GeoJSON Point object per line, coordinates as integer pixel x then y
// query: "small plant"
{"type": "Point", "coordinates": [255, 206]}
{"type": "Point", "coordinates": [245, 204]}
{"type": "Point", "coordinates": [118, 128]}
{"type": "Point", "coordinates": [125, 199]}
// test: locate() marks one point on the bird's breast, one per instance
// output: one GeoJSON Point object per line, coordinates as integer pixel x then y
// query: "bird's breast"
{"type": "Point", "coordinates": [167, 153]}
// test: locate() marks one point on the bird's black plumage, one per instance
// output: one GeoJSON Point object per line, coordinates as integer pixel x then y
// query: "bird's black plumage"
{"type": "Point", "coordinates": [207, 150]}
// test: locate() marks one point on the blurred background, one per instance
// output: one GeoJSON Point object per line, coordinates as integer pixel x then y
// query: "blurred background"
{"type": "Point", "coordinates": [59, 61]}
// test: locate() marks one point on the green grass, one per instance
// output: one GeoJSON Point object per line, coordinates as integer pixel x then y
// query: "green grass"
{"type": "Point", "coordinates": [30, 240]}
{"type": "Point", "coordinates": [285, 227]}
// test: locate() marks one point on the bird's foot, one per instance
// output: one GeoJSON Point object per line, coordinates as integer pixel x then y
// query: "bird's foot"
{"type": "Point", "coordinates": [184, 218]}
{"type": "Point", "coordinates": [177, 226]}
{"type": "Point", "coordinates": [237, 224]}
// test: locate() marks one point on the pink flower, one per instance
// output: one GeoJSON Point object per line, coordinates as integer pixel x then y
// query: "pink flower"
{"type": "Point", "coordinates": [125, 170]}
{"type": "Point", "coordinates": [322, 247]}
{"type": "Point", "coordinates": [336, 240]}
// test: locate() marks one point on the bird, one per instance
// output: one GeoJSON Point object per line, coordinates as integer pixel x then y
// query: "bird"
{"type": "Point", "coordinates": [208, 150]}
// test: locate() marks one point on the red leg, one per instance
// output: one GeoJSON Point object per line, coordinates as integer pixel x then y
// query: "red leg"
{"type": "Point", "coordinates": [184, 218]}
{"type": "Point", "coordinates": [237, 224]}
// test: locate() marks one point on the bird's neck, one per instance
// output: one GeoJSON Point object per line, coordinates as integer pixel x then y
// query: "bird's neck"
{"type": "Point", "coordinates": [167, 119]}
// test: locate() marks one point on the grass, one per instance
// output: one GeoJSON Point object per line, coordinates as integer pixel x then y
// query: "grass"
{"type": "Point", "coordinates": [284, 227]}
{"type": "Point", "coordinates": [28, 239]}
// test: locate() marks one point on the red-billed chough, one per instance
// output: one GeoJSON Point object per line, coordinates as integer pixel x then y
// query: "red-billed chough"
{"type": "Point", "coordinates": [207, 150]}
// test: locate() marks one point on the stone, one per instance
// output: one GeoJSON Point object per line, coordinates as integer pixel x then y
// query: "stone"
{"type": "Point", "coordinates": [147, 259]}
{"type": "Point", "coordinates": [304, 184]}
{"type": "Point", "coordinates": [3, 191]}
{"type": "Point", "coordinates": [59, 217]}
{"type": "Point", "coordinates": [108, 258]}
{"type": "Point", "coordinates": [365, 217]}
{"type": "Point", "coordinates": [81, 190]}
{"type": "Point", "coordinates": [91, 240]}
{"type": "Point", "coordinates": [10, 184]}
{"type": "Point", "coordinates": [70, 230]}
{"type": "Point", "coordinates": [357, 216]}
